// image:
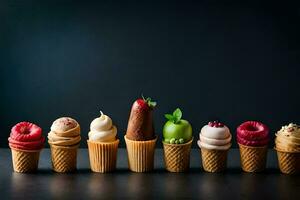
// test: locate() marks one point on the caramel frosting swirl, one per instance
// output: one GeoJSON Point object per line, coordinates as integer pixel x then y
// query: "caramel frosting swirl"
{"type": "Point", "coordinates": [65, 131]}
{"type": "Point", "coordinates": [288, 138]}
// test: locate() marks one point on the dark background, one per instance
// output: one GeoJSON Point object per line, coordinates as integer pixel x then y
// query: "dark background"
{"type": "Point", "coordinates": [230, 61]}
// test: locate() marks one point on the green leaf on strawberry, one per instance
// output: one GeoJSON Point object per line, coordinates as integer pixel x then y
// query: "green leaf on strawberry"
{"type": "Point", "coordinates": [149, 101]}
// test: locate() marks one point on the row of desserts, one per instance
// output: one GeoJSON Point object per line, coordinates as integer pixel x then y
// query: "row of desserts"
{"type": "Point", "coordinates": [26, 141]}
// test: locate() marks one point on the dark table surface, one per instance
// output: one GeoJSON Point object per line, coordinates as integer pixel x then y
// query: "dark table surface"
{"type": "Point", "coordinates": [197, 184]}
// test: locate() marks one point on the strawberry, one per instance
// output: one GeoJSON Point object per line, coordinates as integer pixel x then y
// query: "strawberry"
{"type": "Point", "coordinates": [140, 125]}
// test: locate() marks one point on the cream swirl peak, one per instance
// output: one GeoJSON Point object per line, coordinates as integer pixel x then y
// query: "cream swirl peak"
{"type": "Point", "coordinates": [102, 129]}
{"type": "Point", "coordinates": [215, 136]}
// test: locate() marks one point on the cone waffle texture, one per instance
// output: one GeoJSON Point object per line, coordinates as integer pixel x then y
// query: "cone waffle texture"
{"type": "Point", "coordinates": [103, 156]}
{"type": "Point", "coordinates": [140, 154]}
{"type": "Point", "coordinates": [253, 159]}
{"type": "Point", "coordinates": [64, 159]}
{"type": "Point", "coordinates": [214, 160]}
{"type": "Point", "coordinates": [25, 161]}
{"type": "Point", "coordinates": [177, 156]}
{"type": "Point", "coordinates": [289, 162]}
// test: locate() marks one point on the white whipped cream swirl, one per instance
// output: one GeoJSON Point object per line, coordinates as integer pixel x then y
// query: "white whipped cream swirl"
{"type": "Point", "coordinates": [102, 129]}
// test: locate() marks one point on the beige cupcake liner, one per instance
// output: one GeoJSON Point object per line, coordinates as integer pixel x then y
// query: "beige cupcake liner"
{"type": "Point", "coordinates": [214, 160]}
{"type": "Point", "coordinates": [64, 159]}
{"type": "Point", "coordinates": [25, 161]}
{"type": "Point", "coordinates": [253, 159]}
{"type": "Point", "coordinates": [177, 156]}
{"type": "Point", "coordinates": [289, 162]}
{"type": "Point", "coordinates": [140, 154]}
{"type": "Point", "coordinates": [103, 155]}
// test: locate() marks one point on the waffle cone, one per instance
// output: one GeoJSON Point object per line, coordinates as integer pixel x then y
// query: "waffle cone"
{"type": "Point", "coordinates": [64, 159]}
{"type": "Point", "coordinates": [177, 156]}
{"type": "Point", "coordinates": [214, 160]}
{"type": "Point", "coordinates": [289, 162]}
{"type": "Point", "coordinates": [140, 154]}
{"type": "Point", "coordinates": [25, 161]}
{"type": "Point", "coordinates": [103, 155]}
{"type": "Point", "coordinates": [253, 159]}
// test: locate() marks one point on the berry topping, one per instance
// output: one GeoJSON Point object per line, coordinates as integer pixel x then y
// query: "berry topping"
{"type": "Point", "coordinates": [290, 129]}
{"type": "Point", "coordinates": [216, 124]}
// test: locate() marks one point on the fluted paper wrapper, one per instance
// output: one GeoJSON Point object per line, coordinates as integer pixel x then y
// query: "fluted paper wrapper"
{"type": "Point", "coordinates": [25, 161]}
{"type": "Point", "coordinates": [64, 159]}
{"type": "Point", "coordinates": [177, 156]}
{"type": "Point", "coordinates": [140, 154]}
{"type": "Point", "coordinates": [214, 160]}
{"type": "Point", "coordinates": [103, 155]}
{"type": "Point", "coordinates": [253, 159]}
{"type": "Point", "coordinates": [289, 162]}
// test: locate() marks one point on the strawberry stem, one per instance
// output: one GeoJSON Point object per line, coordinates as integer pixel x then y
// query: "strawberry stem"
{"type": "Point", "coordinates": [149, 101]}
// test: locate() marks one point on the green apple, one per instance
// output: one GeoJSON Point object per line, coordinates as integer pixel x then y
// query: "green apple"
{"type": "Point", "coordinates": [177, 130]}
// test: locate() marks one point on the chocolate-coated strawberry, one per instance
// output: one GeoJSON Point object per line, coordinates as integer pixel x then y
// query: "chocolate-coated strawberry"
{"type": "Point", "coordinates": [140, 125]}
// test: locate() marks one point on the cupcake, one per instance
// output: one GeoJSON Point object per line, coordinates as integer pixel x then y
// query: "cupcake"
{"type": "Point", "coordinates": [140, 137]}
{"type": "Point", "coordinates": [253, 138]}
{"type": "Point", "coordinates": [214, 142]}
{"type": "Point", "coordinates": [26, 142]}
{"type": "Point", "coordinates": [64, 138]}
{"type": "Point", "coordinates": [287, 145]}
{"type": "Point", "coordinates": [177, 142]}
{"type": "Point", "coordinates": [102, 144]}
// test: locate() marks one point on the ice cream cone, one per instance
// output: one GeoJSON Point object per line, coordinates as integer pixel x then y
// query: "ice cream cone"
{"type": "Point", "coordinates": [177, 156]}
{"type": "Point", "coordinates": [140, 154]}
{"type": "Point", "coordinates": [64, 159]}
{"type": "Point", "coordinates": [103, 155]}
{"type": "Point", "coordinates": [214, 160]}
{"type": "Point", "coordinates": [253, 159]}
{"type": "Point", "coordinates": [289, 162]}
{"type": "Point", "coordinates": [24, 160]}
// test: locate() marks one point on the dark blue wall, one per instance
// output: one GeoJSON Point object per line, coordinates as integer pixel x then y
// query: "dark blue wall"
{"type": "Point", "coordinates": [214, 60]}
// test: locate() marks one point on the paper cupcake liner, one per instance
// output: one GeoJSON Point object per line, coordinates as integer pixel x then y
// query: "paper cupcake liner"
{"type": "Point", "coordinates": [103, 155]}
{"type": "Point", "coordinates": [25, 161]}
{"type": "Point", "coordinates": [140, 154]}
{"type": "Point", "coordinates": [289, 162]}
{"type": "Point", "coordinates": [214, 160]}
{"type": "Point", "coordinates": [64, 159]}
{"type": "Point", "coordinates": [253, 159]}
{"type": "Point", "coordinates": [177, 156]}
